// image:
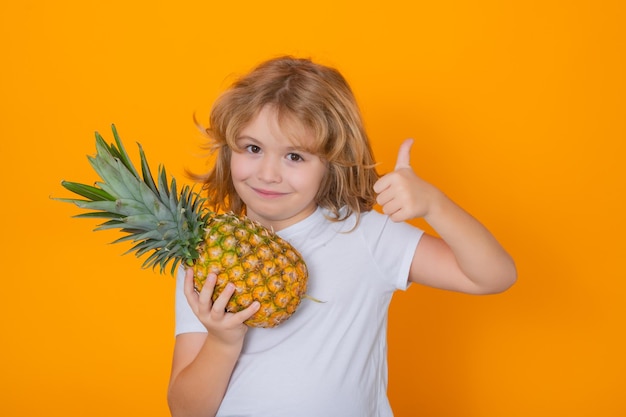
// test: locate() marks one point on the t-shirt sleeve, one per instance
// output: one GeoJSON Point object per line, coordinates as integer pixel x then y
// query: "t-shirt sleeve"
{"type": "Point", "coordinates": [393, 246]}
{"type": "Point", "coordinates": [186, 320]}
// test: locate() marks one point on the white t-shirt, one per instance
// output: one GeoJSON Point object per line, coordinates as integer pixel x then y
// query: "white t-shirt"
{"type": "Point", "coordinates": [328, 359]}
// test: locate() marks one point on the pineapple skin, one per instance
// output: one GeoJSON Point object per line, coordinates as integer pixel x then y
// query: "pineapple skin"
{"type": "Point", "coordinates": [261, 265]}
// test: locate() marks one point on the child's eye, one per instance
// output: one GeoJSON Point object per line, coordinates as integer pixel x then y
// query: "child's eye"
{"type": "Point", "coordinates": [294, 157]}
{"type": "Point", "coordinates": [253, 149]}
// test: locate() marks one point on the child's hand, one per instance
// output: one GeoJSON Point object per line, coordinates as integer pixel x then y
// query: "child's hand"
{"type": "Point", "coordinates": [227, 328]}
{"type": "Point", "coordinates": [401, 193]}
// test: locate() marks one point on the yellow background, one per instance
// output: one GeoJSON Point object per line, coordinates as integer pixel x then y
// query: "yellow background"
{"type": "Point", "coordinates": [518, 110]}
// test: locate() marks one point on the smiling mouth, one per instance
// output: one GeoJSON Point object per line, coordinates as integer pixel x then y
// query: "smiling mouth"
{"type": "Point", "coordinates": [268, 193]}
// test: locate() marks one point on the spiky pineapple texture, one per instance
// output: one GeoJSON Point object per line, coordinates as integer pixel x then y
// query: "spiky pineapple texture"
{"type": "Point", "coordinates": [261, 265]}
{"type": "Point", "coordinates": [173, 228]}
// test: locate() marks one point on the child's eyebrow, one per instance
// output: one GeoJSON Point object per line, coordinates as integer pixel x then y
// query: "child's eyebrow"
{"type": "Point", "coordinates": [301, 149]}
{"type": "Point", "coordinates": [246, 137]}
{"type": "Point", "coordinates": [298, 149]}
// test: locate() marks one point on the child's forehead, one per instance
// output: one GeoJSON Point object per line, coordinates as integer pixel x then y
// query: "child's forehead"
{"type": "Point", "coordinates": [298, 134]}
{"type": "Point", "coordinates": [286, 126]}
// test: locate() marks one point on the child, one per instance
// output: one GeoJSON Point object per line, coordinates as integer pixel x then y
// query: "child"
{"type": "Point", "coordinates": [292, 154]}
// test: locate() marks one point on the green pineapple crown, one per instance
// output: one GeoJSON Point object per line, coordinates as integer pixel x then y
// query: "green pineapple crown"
{"type": "Point", "coordinates": [161, 222]}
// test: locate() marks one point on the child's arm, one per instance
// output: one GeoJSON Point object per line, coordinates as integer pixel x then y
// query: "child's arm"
{"type": "Point", "coordinates": [203, 362]}
{"type": "Point", "coordinates": [467, 257]}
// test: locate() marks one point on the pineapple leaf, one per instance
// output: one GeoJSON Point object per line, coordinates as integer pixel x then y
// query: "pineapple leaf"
{"type": "Point", "coordinates": [143, 221]}
{"type": "Point", "coordinates": [121, 153]}
{"type": "Point", "coordinates": [106, 206]}
{"type": "Point", "coordinates": [87, 191]}
{"type": "Point", "coordinates": [118, 181]}
{"type": "Point", "coordinates": [146, 172]}
{"type": "Point", "coordinates": [176, 203]}
{"type": "Point", "coordinates": [100, 215]}
{"type": "Point", "coordinates": [163, 185]}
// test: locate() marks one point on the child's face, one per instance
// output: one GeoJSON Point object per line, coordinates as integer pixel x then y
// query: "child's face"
{"type": "Point", "coordinates": [275, 178]}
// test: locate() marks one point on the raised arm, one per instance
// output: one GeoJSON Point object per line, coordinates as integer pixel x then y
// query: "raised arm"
{"type": "Point", "coordinates": [465, 257]}
{"type": "Point", "coordinates": [203, 362]}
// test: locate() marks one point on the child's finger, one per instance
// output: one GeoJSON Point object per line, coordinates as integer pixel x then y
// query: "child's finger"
{"type": "Point", "coordinates": [188, 288]}
{"type": "Point", "coordinates": [404, 155]}
{"type": "Point", "coordinates": [206, 293]}
{"type": "Point", "coordinates": [222, 300]}
{"type": "Point", "coordinates": [248, 312]}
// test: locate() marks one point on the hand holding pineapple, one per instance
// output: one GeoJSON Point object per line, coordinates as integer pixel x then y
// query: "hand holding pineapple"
{"type": "Point", "coordinates": [227, 328]}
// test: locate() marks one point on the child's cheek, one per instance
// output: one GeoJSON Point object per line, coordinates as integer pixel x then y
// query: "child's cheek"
{"type": "Point", "coordinates": [238, 167]}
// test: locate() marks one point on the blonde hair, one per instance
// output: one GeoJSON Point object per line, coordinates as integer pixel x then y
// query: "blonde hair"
{"type": "Point", "coordinates": [315, 97]}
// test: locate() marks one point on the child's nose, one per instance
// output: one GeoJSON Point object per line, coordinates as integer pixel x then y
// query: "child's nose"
{"type": "Point", "coordinates": [269, 170]}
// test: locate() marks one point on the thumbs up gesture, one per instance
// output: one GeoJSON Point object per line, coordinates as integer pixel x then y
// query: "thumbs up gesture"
{"type": "Point", "coordinates": [401, 193]}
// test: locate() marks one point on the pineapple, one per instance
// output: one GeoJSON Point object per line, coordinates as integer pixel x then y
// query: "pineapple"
{"type": "Point", "coordinates": [176, 228]}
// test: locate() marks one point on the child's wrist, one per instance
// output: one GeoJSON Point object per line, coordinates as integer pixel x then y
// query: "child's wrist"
{"type": "Point", "coordinates": [223, 346]}
{"type": "Point", "coordinates": [436, 205]}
